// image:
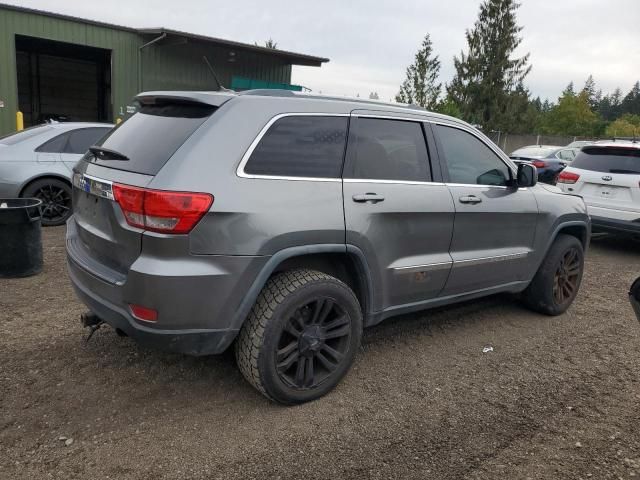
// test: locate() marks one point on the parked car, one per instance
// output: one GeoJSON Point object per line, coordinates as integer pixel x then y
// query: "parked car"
{"type": "Point", "coordinates": [607, 176]}
{"type": "Point", "coordinates": [38, 161]}
{"type": "Point", "coordinates": [285, 223]}
{"type": "Point", "coordinates": [580, 143]}
{"type": "Point", "coordinates": [634, 297]}
{"type": "Point", "coordinates": [548, 159]}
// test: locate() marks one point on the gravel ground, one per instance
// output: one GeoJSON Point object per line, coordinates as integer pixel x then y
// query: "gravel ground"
{"type": "Point", "coordinates": [556, 398]}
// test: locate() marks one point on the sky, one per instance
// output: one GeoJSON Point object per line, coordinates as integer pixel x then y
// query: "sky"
{"type": "Point", "coordinates": [370, 42]}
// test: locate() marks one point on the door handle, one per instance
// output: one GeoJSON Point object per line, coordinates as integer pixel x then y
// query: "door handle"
{"type": "Point", "coordinates": [368, 197]}
{"type": "Point", "coordinates": [470, 199]}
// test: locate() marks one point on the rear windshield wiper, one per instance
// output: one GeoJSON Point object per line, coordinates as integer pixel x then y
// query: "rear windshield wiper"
{"type": "Point", "coordinates": [107, 154]}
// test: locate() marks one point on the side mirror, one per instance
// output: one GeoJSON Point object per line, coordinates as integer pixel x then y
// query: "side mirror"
{"type": "Point", "coordinates": [527, 175]}
{"type": "Point", "coordinates": [634, 297]}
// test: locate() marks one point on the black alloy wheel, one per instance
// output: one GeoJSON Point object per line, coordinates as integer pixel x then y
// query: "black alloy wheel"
{"type": "Point", "coordinates": [313, 342]}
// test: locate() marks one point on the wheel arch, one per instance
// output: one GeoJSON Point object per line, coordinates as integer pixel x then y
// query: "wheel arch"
{"type": "Point", "coordinates": [345, 262]}
{"type": "Point", "coordinates": [45, 176]}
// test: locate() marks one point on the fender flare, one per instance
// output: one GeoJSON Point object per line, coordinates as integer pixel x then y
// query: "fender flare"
{"type": "Point", "coordinates": [556, 231]}
{"type": "Point", "coordinates": [260, 281]}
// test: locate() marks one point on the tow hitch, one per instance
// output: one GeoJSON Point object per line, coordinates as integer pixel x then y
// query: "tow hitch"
{"type": "Point", "coordinates": [91, 321]}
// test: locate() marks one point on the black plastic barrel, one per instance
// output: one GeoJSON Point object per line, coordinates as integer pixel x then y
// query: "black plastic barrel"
{"type": "Point", "coordinates": [20, 237]}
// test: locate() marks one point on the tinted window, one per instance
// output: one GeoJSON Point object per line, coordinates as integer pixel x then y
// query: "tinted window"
{"type": "Point", "coordinates": [56, 145]}
{"type": "Point", "coordinates": [469, 160]}
{"type": "Point", "coordinates": [609, 160]}
{"type": "Point", "coordinates": [388, 150]}
{"type": "Point", "coordinates": [301, 146]}
{"type": "Point", "coordinates": [80, 140]}
{"type": "Point", "coordinates": [568, 154]}
{"type": "Point", "coordinates": [152, 135]}
{"type": "Point", "coordinates": [13, 138]}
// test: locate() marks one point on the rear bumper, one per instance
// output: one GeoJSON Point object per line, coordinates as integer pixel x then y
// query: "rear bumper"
{"type": "Point", "coordinates": [634, 297]}
{"type": "Point", "coordinates": [602, 224]}
{"type": "Point", "coordinates": [197, 297]}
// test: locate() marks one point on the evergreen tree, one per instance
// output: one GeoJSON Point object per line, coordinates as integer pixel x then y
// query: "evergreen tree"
{"type": "Point", "coordinates": [572, 116]}
{"type": "Point", "coordinates": [420, 87]}
{"type": "Point", "coordinates": [593, 96]}
{"type": "Point", "coordinates": [487, 74]}
{"type": "Point", "coordinates": [631, 102]}
{"type": "Point", "coordinates": [569, 91]}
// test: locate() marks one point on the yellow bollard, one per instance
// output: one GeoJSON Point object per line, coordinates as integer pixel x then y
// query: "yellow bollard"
{"type": "Point", "coordinates": [118, 120]}
{"type": "Point", "coordinates": [19, 121]}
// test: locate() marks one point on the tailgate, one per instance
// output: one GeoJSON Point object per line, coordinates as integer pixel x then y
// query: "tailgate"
{"type": "Point", "coordinates": [131, 154]}
{"type": "Point", "coordinates": [103, 236]}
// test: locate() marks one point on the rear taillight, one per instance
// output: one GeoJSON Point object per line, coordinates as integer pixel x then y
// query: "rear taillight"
{"type": "Point", "coordinates": [161, 210]}
{"type": "Point", "coordinates": [539, 164]}
{"type": "Point", "coordinates": [568, 177]}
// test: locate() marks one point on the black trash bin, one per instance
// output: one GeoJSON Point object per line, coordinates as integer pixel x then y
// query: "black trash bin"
{"type": "Point", "coordinates": [20, 237]}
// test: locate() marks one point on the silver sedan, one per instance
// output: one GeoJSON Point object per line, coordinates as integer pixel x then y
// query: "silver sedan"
{"type": "Point", "coordinates": [38, 162]}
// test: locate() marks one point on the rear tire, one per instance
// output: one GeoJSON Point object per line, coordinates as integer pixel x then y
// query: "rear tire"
{"type": "Point", "coordinates": [56, 200]}
{"type": "Point", "coordinates": [301, 336]}
{"type": "Point", "coordinates": [558, 279]}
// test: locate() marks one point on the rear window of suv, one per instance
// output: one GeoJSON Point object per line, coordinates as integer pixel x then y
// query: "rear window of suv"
{"type": "Point", "coordinates": [609, 160]}
{"type": "Point", "coordinates": [152, 135]}
{"type": "Point", "coordinates": [301, 146]}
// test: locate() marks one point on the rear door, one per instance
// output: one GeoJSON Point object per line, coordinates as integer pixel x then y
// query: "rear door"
{"type": "Point", "coordinates": [131, 154]}
{"type": "Point", "coordinates": [494, 223]}
{"type": "Point", "coordinates": [397, 211]}
{"type": "Point", "coordinates": [608, 178]}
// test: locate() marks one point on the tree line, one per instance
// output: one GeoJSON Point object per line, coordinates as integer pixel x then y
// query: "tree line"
{"type": "Point", "coordinates": [488, 87]}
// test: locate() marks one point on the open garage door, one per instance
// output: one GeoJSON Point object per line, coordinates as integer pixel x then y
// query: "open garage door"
{"type": "Point", "coordinates": [62, 81]}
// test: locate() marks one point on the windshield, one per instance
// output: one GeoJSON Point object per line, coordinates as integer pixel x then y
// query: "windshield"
{"type": "Point", "coordinates": [609, 160]}
{"type": "Point", "coordinates": [534, 152]}
{"type": "Point", "coordinates": [23, 135]}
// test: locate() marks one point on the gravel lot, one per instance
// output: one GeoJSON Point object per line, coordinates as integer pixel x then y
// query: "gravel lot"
{"type": "Point", "coordinates": [557, 398]}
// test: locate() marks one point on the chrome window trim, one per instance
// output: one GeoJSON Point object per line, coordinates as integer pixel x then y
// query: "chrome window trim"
{"type": "Point", "coordinates": [245, 158]}
{"type": "Point", "coordinates": [389, 117]}
{"type": "Point", "coordinates": [402, 182]}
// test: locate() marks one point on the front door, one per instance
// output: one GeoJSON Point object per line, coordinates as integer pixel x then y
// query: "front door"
{"type": "Point", "coordinates": [394, 211]}
{"type": "Point", "coordinates": [494, 223]}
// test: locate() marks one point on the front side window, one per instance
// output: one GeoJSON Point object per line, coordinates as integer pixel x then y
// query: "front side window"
{"type": "Point", "coordinates": [301, 146]}
{"type": "Point", "coordinates": [469, 161]}
{"type": "Point", "coordinates": [388, 150]}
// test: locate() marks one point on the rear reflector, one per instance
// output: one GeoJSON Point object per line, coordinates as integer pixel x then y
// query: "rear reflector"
{"type": "Point", "coordinates": [539, 164]}
{"type": "Point", "coordinates": [568, 177]}
{"type": "Point", "coordinates": [144, 313]}
{"type": "Point", "coordinates": [160, 210]}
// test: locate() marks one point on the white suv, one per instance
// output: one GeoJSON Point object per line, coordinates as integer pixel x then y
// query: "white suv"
{"type": "Point", "coordinates": [607, 176]}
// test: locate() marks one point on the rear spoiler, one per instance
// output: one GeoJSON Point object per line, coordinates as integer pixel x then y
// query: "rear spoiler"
{"type": "Point", "coordinates": [214, 99]}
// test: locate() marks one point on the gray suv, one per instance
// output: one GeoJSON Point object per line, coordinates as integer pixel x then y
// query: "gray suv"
{"type": "Point", "coordinates": [286, 223]}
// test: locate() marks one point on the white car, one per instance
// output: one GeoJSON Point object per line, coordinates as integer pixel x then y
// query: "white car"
{"type": "Point", "coordinates": [607, 177]}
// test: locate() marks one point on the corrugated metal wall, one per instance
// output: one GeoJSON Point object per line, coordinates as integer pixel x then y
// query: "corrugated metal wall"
{"type": "Point", "coordinates": [123, 45]}
{"type": "Point", "coordinates": [170, 64]}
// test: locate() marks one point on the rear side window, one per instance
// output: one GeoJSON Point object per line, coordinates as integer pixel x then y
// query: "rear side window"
{"type": "Point", "coordinates": [55, 145]}
{"type": "Point", "coordinates": [152, 135]}
{"type": "Point", "coordinates": [301, 146]}
{"type": "Point", "coordinates": [388, 150]}
{"type": "Point", "coordinates": [80, 140]}
{"type": "Point", "coordinates": [609, 160]}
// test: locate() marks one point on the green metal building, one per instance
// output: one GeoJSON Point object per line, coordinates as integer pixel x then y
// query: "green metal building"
{"type": "Point", "coordinates": [62, 67]}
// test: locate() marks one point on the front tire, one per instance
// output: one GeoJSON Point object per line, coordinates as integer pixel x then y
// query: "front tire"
{"type": "Point", "coordinates": [556, 284]}
{"type": "Point", "coordinates": [301, 336]}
